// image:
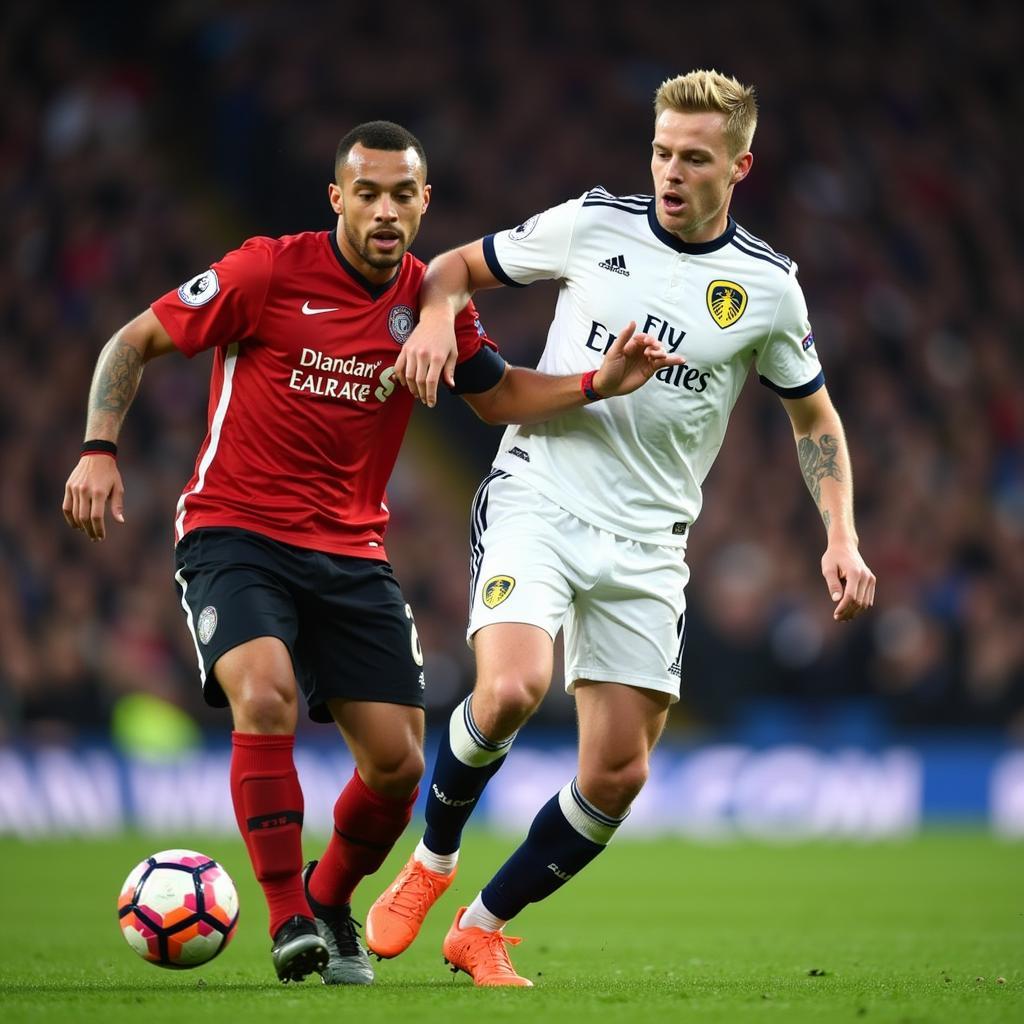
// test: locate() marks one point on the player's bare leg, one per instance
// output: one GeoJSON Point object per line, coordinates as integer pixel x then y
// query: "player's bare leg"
{"type": "Point", "coordinates": [258, 679]}
{"type": "Point", "coordinates": [618, 729]}
{"type": "Point", "coordinates": [386, 741]}
{"type": "Point", "coordinates": [514, 663]}
{"type": "Point", "coordinates": [619, 726]}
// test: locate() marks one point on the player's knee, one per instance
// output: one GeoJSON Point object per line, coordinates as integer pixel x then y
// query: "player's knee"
{"type": "Point", "coordinates": [262, 706]}
{"type": "Point", "coordinates": [396, 774]}
{"type": "Point", "coordinates": [612, 788]}
{"type": "Point", "coordinates": [506, 702]}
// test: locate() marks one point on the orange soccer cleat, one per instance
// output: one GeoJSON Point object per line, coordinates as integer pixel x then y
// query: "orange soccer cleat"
{"type": "Point", "coordinates": [482, 955]}
{"type": "Point", "coordinates": [395, 918]}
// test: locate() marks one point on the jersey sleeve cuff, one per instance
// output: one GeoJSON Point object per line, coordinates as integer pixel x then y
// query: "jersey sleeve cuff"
{"type": "Point", "coordinates": [480, 372]}
{"type": "Point", "coordinates": [798, 392]}
{"type": "Point", "coordinates": [494, 266]}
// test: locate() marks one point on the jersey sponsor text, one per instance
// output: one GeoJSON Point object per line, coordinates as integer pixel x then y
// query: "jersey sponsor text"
{"type": "Point", "coordinates": [333, 387]}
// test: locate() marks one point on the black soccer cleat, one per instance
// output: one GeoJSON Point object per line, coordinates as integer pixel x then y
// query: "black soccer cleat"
{"type": "Point", "coordinates": [348, 963]}
{"type": "Point", "coordinates": [298, 949]}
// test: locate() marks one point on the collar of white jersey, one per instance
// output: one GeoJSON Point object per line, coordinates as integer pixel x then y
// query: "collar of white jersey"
{"type": "Point", "coordinates": [675, 242]}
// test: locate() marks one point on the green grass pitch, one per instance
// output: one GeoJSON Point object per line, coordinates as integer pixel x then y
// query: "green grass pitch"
{"type": "Point", "coordinates": [914, 931]}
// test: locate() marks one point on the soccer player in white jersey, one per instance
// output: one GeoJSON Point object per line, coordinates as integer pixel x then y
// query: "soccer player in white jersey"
{"type": "Point", "coordinates": [582, 524]}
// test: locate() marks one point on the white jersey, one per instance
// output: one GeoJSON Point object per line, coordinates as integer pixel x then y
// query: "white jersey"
{"type": "Point", "coordinates": [634, 465]}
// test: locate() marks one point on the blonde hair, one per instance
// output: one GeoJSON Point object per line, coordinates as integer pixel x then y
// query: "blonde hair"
{"type": "Point", "coordinates": [701, 91]}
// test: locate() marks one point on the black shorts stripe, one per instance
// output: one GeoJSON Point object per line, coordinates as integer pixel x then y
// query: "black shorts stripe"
{"type": "Point", "coordinates": [676, 668]}
{"type": "Point", "coordinates": [478, 523]}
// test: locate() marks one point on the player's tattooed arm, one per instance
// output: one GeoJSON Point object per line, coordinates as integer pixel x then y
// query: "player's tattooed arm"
{"type": "Point", "coordinates": [95, 482]}
{"type": "Point", "coordinates": [119, 370]}
{"type": "Point", "coordinates": [824, 460]}
{"type": "Point", "coordinates": [818, 461]}
{"type": "Point", "coordinates": [114, 383]}
{"type": "Point", "coordinates": [825, 465]}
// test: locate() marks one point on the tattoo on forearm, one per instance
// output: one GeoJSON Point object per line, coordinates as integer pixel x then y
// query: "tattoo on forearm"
{"type": "Point", "coordinates": [818, 461]}
{"type": "Point", "coordinates": [826, 518]}
{"type": "Point", "coordinates": [116, 380]}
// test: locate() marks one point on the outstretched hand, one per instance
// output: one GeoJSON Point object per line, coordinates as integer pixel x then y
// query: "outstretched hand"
{"type": "Point", "coordinates": [851, 584]}
{"type": "Point", "coordinates": [93, 482]}
{"type": "Point", "coordinates": [630, 362]}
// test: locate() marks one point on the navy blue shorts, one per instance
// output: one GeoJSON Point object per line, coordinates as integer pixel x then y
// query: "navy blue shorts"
{"type": "Point", "coordinates": [350, 633]}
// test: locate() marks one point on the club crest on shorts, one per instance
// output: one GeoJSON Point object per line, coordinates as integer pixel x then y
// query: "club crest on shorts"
{"type": "Point", "coordinates": [496, 589]}
{"type": "Point", "coordinates": [198, 290]}
{"type": "Point", "coordinates": [726, 302]}
{"type": "Point", "coordinates": [401, 321]}
{"type": "Point", "coordinates": [207, 624]}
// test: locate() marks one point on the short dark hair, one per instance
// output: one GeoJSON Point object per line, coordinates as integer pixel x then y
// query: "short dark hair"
{"type": "Point", "coordinates": [379, 135]}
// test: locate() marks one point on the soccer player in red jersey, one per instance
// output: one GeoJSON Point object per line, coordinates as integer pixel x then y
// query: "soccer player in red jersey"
{"type": "Point", "coordinates": [280, 560]}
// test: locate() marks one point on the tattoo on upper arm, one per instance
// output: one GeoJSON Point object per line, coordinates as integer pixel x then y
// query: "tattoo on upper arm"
{"type": "Point", "coordinates": [817, 461]}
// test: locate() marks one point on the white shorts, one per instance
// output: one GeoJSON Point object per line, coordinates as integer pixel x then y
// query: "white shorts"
{"type": "Point", "coordinates": [620, 602]}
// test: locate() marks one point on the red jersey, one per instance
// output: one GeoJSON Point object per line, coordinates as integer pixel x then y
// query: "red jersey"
{"type": "Point", "coordinates": [305, 419]}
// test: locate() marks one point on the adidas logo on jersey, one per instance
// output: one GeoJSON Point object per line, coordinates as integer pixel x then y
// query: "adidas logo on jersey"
{"type": "Point", "coordinates": [616, 264]}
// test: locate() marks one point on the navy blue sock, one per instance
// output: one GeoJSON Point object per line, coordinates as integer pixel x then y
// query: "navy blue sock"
{"type": "Point", "coordinates": [466, 762]}
{"type": "Point", "coordinates": [567, 834]}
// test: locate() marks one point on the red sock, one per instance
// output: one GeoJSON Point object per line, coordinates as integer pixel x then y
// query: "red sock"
{"type": "Point", "coordinates": [366, 827]}
{"type": "Point", "coordinates": [268, 806]}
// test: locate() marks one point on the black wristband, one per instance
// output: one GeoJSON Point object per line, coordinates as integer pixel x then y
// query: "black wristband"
{"type": "Point", "coordinates": [99, 447]}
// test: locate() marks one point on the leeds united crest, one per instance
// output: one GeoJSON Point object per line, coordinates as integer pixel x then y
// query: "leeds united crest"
{"type": "Point", "coordinates": [726, 302]}
{"type": "Point", "coordinates": [496, 589]}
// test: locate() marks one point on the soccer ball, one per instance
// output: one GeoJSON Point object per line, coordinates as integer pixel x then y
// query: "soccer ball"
{"type": "Point", "coordinates": [178, 909]}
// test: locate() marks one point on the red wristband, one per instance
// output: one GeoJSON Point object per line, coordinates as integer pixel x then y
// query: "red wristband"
{"type": "Point", "coordinates": [587, 386]}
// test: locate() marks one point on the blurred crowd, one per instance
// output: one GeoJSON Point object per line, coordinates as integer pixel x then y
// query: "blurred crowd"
{"type": "Point", "coordinates": [137, 145]}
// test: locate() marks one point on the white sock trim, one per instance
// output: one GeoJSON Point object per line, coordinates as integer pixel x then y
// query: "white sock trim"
{"type": "Point", "coordinates": [441, 863]}
{"type": "Point", "coordinates": [588, 820]}
{"type": "Point", "coordinates": [469, 744]}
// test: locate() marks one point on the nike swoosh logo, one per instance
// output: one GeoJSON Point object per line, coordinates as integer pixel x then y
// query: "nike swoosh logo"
{"type": "Point", "coordinates": [310, 311]}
